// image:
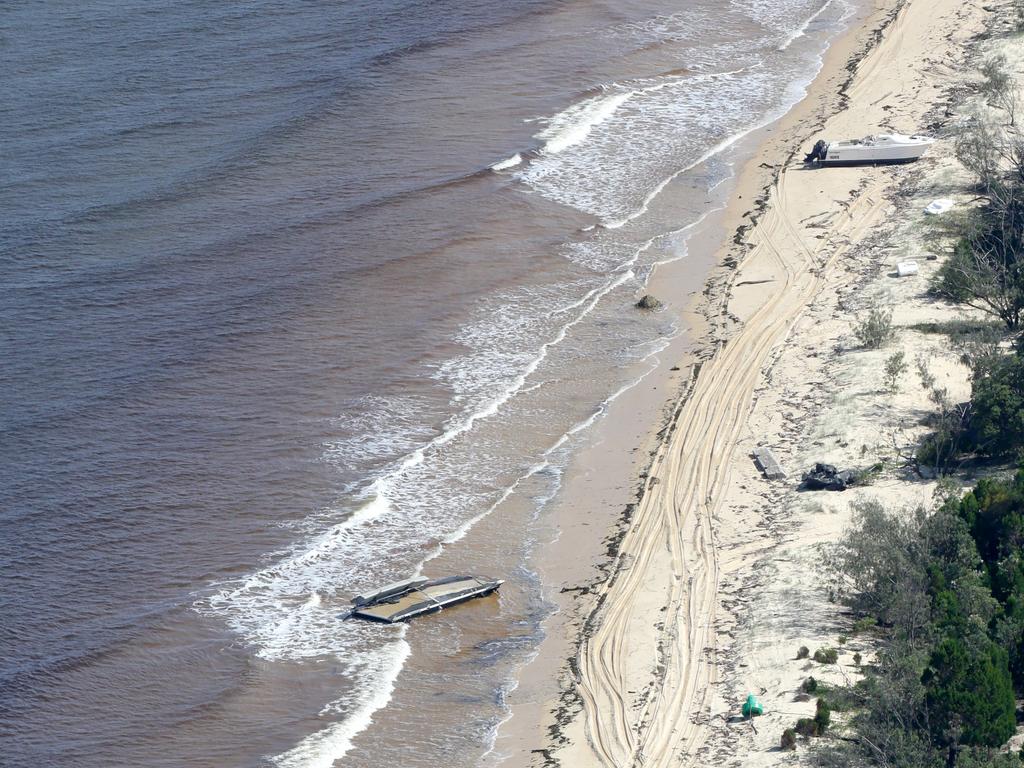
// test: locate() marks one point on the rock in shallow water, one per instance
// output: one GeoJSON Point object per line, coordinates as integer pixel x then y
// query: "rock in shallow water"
{"type": "Point", "coordinates": [648, 302]}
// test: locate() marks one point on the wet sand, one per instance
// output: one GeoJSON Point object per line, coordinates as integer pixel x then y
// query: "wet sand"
{"type": "Point", "coordinates": [651, 651]}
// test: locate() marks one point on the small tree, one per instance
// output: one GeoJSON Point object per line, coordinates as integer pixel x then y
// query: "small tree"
{"type": "Point", "coordinates": [997, 408]}
{"type": "Point", "coordinates": [924, 370]}
{"type": "Point", "coordinates": [995, 78]}
{"type": "Point", "coordinates": [822, 716]}
{"type": "Point", "coordinates": [788, 741]}
{"type": "Point", "coordinates": [993, 511]}
{"type": "Point", "coordinates": [895, 367]}
{"type": "Point", "coordinates": [999, 86]}
{"type": "Point", "coordinates": [984, 272]}
{"type": "Point", "coordinates": [875, 330]}
{"type": "Point", "coordinates": [943, 446]}
{"type": "Point", "coordinates": [878, 568]}
{"type": "Point", "coordinates": [979, 146]}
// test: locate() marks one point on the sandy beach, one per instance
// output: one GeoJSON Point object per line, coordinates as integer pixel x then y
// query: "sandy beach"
{"type": "Point", "coordinates": [710, 581]}
{"type": "Point", "coordinates": [305, 299]}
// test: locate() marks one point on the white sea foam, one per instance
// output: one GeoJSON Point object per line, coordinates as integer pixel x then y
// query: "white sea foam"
{"type": "Point", "coordinates": [494, 376]}
{"type": "Point", "coordinates": [328, 745]}
{"type": "Point", "coordinates": [290, 609]}
{"type": "Point", "coordinates": [572, 126]}
{"type": "Point", "coordinates": [680, 122]}
{"type": "Point", "coordinates": [510, 162]}
{"type": "Point", "coordinates": [547, 458]}
{"type": "Point", "coordinates": [620, 168]}
{"type": "Point", "coordinates": [606, 253]}
{"type": "Point", "coordinates": [378, 428]}
{"type": "Point", "coordinates": [802, 29]}
{"type": "Point", "coordinates": [653, 362]}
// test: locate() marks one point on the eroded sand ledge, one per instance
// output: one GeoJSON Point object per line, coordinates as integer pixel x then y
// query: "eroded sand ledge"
{"type": "Point", "coordinates": [686, 621]}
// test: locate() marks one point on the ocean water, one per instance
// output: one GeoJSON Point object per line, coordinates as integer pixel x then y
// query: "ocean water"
{"type": "Point", "coordinates": [302, 298]}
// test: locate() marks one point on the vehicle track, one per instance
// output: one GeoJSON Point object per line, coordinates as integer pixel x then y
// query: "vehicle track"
{"type": "Point", "coordinates": [664, 724]}
{"type": "Point", "coordinates": [666, 632]}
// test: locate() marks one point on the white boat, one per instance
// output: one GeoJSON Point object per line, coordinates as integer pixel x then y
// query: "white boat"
{"type": "Point", "coordinates": [883, 148]}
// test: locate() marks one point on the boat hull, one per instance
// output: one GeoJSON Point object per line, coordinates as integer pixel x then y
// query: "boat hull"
{"type": "Point", "coordinates": [849, 163]}
{"type": "Point", "coordinates": [887, 149]}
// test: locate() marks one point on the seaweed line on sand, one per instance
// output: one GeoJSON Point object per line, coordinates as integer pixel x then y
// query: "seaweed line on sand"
{"type": "Point", "coordinates": [713, 306]}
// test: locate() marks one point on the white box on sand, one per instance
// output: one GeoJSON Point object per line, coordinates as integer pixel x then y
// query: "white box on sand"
{"type": "Point", "coordinates": [936, 207]}
{"type": "Point", "coordinates": [906, 268]}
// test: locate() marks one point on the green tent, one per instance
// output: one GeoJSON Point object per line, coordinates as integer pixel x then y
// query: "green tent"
{"type": "Point", "coordinates": [752, 706]}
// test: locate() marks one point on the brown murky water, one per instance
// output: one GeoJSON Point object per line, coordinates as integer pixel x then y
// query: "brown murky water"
{"type": "Point", "coordinates": [300, 300]}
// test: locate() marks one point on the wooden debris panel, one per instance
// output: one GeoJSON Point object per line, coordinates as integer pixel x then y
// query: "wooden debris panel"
{"type": "Point", "coordinates": [767, 463]}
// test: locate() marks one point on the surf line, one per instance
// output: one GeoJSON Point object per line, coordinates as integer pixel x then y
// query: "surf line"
{"type": "Point", "coordinates": [328, 744]}
{"type": "Point", "coordinates": [322, 748]}
{"type": "Point", "coordinates": [770, 117]}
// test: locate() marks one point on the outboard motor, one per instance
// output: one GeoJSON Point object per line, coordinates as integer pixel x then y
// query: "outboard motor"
{"type": "Point", "coordinates": [818, 153]}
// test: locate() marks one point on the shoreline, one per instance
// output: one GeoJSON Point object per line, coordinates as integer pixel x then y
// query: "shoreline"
{"type": "Point", "coordinates": [559, 737]}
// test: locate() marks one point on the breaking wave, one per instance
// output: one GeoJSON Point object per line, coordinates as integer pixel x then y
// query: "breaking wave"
{"type": "Point", "coordinates": [571, 127]}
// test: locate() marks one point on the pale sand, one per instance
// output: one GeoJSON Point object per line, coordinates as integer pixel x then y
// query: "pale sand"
{"type": "Point", "coordinates": [715, 582]}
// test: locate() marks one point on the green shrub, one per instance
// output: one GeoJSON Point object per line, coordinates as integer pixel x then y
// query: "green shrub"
{"type": "Point", "coordinates": [929, 452]}
{"type": "Point", "coordinates": [984, 271]}
{"type": "Point", "coordinates": [826, 655]}
{"type": "Point", "coordinates": [970, 690]}
{"type": "Point", "coordinates": [995, 77]}
{"type": "Point", "coordinates": [788, 741]}
{"type": "Point", "coordinates": [867, 475]}
{"type": "Point", "coordinates": [857, 659]}
{"type": "Point", "coordinates": [863, 625]}
{"type": "Point", "coordinates": [840, 698]}
{"type": "Point", "coordinates": [895, 366]}
{"type": "Point", "coordinates": [806, 726]}
{"type": "Point", "coordinates": [875, 330]}
{"type": "Point", "coordinates": [810, 685]}
{"type": "Point", "coordinates": [822, 716]}
{"type": "Point", "coordinates": [983, 757]}
{"type": "Point", "coordinates": [996, 425]}
{"type": "Point", "coordinates": [961, 329]}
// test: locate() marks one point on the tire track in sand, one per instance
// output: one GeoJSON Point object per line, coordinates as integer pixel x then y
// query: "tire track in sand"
{"type": "Point", "coordinates": [667, 630]}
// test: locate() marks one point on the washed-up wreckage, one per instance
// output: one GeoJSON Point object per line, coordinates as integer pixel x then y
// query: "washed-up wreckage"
{"type": "Point", "coordinates": [825, 477]}
{"type": "Point", "coordinates": [415, 597]}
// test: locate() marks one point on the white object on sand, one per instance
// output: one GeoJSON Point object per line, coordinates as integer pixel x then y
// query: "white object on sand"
{"type": "Point", "coordinates": [883, 148]}
{"type": "Point", "coordinates": [906, 268]}
{"type": "Point", "coordinates": [939, 206]}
